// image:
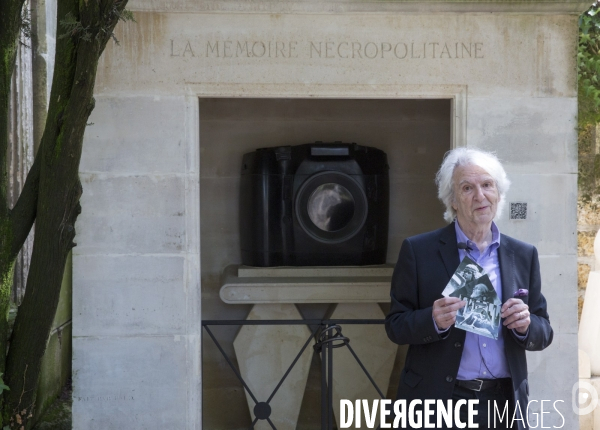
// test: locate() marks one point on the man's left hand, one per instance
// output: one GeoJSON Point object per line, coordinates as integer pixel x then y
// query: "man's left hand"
{"type": "Point", "coordinates": [516, 315]}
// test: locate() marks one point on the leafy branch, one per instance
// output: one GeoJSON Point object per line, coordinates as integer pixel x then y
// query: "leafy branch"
{"type": "Point", "coordinates": [74, 28]}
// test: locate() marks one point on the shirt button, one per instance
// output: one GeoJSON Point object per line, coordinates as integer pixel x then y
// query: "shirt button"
{"type": "Point", "coordinates": [484, 345]}
{"type": "Point", "coordinates": [457, 345]}
{"type": "Point", "coordinates": [485, 373]}
{"type": "Point", "coordinates": [449, 378]}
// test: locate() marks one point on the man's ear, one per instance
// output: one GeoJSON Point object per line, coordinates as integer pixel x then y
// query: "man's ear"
{"type": "Point", "coordinates": [453, 199]}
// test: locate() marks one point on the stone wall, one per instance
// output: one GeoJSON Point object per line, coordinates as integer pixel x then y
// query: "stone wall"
{"type": "Point", "coordinates": [138, 269]}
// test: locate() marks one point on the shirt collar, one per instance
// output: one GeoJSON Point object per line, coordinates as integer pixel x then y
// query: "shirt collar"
{"type": "Point", "coordinates": [462, 237]}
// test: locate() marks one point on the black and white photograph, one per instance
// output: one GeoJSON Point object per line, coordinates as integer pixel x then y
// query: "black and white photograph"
{"type": "Point", "coordinates": [464, 279]}
{"type": "Point", "coordinates": [481, 315]}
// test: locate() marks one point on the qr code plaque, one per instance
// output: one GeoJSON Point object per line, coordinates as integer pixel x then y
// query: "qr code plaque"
{"type": "Point", "coordinates": [518, 211]}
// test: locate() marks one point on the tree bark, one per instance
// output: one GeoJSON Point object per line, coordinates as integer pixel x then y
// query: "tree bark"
{"type": "Point", "coordinates": [71, 103]}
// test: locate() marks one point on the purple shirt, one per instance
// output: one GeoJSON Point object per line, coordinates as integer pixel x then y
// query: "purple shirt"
{"type": "Point", "coordinates": [483, 357]}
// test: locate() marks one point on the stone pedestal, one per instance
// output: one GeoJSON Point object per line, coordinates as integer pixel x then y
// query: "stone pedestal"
{"type": "Point", "coordinates": [372, 346]}
{"type": "Point", "coordinates": [265, 352]}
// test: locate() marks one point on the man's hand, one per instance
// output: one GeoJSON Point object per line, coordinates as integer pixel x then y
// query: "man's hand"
{"type": "Point", "coordinates": [516, 315]}
{"type": "Point", "coordinates": [444, 311]}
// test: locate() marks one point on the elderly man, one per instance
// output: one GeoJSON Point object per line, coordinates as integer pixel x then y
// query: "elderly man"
{"type": "Point", "coordinates": [444, 362]}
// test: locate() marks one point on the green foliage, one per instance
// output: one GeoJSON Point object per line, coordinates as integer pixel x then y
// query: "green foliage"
{"type": "Point", "coordinates": [124, 15]}
{"type": "Point", "coordinates": [74, 28]}
{"type": "Point", "coordinates": [3, 387]}
{"type": "Point", "coordinates": [588, 66]}
{"type": "Point", "coordinates": [588, 74]}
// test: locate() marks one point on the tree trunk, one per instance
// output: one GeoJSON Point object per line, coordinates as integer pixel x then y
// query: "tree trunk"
{"type": "Point", "coordinates": [58, 206]}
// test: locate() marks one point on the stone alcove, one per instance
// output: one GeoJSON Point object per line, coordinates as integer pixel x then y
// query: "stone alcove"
{"type": "Point", "coordinates": [415, 133]}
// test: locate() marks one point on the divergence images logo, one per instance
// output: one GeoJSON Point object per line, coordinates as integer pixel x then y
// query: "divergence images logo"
{"type": "Point", "coordinates": [584, 398]}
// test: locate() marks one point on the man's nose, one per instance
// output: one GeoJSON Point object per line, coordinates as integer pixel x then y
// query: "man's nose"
{"type": "Point", "coordinates": [479, 193]}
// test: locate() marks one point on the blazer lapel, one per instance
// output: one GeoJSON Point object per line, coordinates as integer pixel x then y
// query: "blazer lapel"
{"type": "Point", "coordinates": [449, 249]}
{"type": "Point", "coordinates": [506, 259]}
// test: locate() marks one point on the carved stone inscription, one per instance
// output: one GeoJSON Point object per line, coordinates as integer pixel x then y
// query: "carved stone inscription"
{"type": "Point", "coordinates": [351, 50]}
{"type": "Point", "coordinates": [106, 398]}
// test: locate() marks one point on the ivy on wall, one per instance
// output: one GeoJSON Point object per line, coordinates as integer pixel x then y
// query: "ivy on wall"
{"type": "Point", "coordinates": [588, 61]}
{"type": "Point", "coordinates": [588, 205]}
{"type": "Point", "coordinates": [588, 73]}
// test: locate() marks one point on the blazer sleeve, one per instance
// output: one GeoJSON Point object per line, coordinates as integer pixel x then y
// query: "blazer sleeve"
{"type": "Point", "coordinates": [407, 322]}
{"type": "Point", "coordinates": [540, 333]}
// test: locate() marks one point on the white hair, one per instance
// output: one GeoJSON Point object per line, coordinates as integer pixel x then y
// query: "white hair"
{"type": "Point", "coordinates": [469, 157]}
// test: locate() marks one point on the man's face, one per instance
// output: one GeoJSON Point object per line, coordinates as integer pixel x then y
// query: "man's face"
{"type": "Point", "coordinates": [475, 196]}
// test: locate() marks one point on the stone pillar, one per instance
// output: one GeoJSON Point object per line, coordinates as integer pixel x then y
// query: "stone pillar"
{"type": "Point", "coordinates": [21, 147]}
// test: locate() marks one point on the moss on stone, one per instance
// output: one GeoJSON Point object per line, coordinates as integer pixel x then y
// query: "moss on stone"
{"type": "Point", "coordinates": [588, 172]}
{"type": "Point", "coordinates": [59, 415]}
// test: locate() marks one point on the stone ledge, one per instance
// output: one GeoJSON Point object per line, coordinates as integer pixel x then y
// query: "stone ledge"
{"type": "Point", "coordinates": [370, 284]}
{"type": "Point", "coordinates": [385, 270]}
{"type": "Point", "coordinates": [350, 6]}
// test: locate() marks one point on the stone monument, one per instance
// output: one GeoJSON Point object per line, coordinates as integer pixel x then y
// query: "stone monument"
{"type": "Point", "coordinates": [193, 85]}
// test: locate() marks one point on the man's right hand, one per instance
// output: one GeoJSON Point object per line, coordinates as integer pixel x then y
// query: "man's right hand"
{"type": "Point", "coordinates": [444, 311]}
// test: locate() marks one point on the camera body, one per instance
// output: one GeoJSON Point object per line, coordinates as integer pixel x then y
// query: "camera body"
{"type": "Point", "coordinates": [319, 204]}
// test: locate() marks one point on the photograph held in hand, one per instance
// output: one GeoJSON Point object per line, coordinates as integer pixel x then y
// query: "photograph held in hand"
{"type": "Point", "coordinates": [481, 314]}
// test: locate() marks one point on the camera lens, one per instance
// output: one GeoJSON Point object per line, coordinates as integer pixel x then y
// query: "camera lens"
{"type": "Point", "coordinates": [330, 207]}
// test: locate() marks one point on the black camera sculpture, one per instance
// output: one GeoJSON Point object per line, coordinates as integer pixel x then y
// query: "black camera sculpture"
{"type": "Point", "coordinates": [314, 205]}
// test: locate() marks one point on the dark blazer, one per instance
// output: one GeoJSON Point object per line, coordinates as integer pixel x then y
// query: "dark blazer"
{"type": "Point", "coordinates": [424, 267]}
